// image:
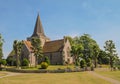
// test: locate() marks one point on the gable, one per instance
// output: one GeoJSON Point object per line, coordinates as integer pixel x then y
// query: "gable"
{"type": "Point", "coordinates": [28, 45]}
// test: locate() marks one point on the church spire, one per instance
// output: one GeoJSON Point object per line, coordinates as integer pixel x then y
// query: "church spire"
{"type": "Point", "coordinates": [38, 30]}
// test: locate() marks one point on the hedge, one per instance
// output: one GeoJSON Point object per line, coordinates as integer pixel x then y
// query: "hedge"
{"type": "Point", "coordinates": [42, 70]}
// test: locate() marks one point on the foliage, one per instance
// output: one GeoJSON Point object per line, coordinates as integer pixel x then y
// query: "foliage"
{"type": "Point", "coordinates": [111, 52]}
{"type": "Point", "coordinates": [70, 40]}
{"type": "Point", "coordinates": [25, 62]}
{"type": "Point", "coordinates": [37, 49]}
{"type": "Point", "coordinates": [1, 45]}
{"type": "Point", "coordinates": [89, 48]}
{"type": "Point", "coordinates": [88, 62]}
{"type": "Point", "coordinates": [10, 61]}
{"type": "Point", "coordinates": [47, 60]}
{"type": "Point", "coordinates": [44, 65]}
{"type": "Point", "coordinates": [82, 63]}
{"type": "Point", "coordinates": [103, 57]}
{"type": "Point", "coordinates": [17, 46]}
{"type": "Point", "coordinates": [3, 62]}
{"type": "Point", "coordinates": [96, 51]}
{"type": "Point", "coordinates": [76, 52]}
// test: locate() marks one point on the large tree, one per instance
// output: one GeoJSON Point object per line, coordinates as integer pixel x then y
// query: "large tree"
{"type": "Point", "coordinates": [76, 52]}
{"type": "Point", "coordinates": [90, 46]}
{"type": "Point", "coordinates": [37, 49]}
{"type": "Point", "coordinates": [103, 57]}
{"type": "Point", "coordinates": [17, 46]}
{"type": "Point", "coordinates": [111, 52]}
{"type": "Point", "coordinates": [96, 51]}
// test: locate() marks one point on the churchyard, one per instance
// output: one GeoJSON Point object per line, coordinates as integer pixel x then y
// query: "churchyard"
{"type": "Point", "coordinates": [59, 78]}
{"type": "Point", "coordinates": [86, 77]}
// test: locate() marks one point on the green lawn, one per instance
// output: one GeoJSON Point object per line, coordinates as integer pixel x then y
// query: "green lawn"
{"type": "Point", "coordinates": [56, 78]}
{"type": "Point", "coordinates": [111, 74]}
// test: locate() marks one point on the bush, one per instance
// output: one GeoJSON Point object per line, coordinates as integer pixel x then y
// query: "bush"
{"type": "Point", "coordinates": [82, 63]}
{"type": "Point", "coordinates": [44, 65]}
{"type": "Point", "coordinates": [47, 60]}
{"type": "Point", "coordinates": [25, 62]}
{"type": "Point", "coordinates": [3, 61]}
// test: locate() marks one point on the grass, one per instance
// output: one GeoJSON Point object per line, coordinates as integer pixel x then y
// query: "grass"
{"type": "Point", "coordinates": [111, 74]}
{"type": "Point", "coordinates": [2, 73]}
{"type": "Point", "coordinates": [61, 78]}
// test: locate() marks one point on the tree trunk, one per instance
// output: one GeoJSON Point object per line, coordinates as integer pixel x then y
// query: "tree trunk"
{"type": "Point", "coordinates": [36, 61]}
{"type": "Point", "coordinates": [95, 63]}
{"type": "Point", "coordinates": [17, 61]}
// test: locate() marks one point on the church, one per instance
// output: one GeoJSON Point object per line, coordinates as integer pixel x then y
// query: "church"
{"type": "Point", "coordinates": [58, 51]}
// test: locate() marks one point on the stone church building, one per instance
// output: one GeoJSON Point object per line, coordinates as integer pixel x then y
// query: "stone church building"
{"type": "Point", "coordinates": [58, 51]}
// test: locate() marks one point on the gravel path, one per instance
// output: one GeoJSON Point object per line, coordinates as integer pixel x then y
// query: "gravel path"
{"type": "Point", "coordinates": [113, 81]}
{"type": "Point", "coordinates": [9, 74]}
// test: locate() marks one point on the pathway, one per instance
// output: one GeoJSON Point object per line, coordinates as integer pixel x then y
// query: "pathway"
{"type": "Point", "coordinates": [113, 81]}
{"type": "Point", "coordinates": [9, 74]}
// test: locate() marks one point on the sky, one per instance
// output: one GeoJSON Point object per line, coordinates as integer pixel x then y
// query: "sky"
{"type": "Point", "coordinates": [99, 18]}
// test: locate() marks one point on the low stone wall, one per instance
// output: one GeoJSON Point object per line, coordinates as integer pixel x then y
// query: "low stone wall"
{"type": "Point", "coordinates": [41, 70]}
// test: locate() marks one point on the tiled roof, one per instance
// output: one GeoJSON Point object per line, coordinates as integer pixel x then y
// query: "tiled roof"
{"type": "Point", "coordinates": [28, 45]}
{"type": "Point", "coordinates": [50, 46]}
{"type": "Point", "coordinates": [53, 46]}
{"type": "Point", "coordinates": [12, 53]}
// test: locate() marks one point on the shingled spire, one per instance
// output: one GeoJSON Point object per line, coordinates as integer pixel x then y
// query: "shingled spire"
{"type": "Point", "coordinates": [38, 30]}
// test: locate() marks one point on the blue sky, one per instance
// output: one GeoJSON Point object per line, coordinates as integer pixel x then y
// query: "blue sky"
{"type": "Point", "coordinates": [99, 18]}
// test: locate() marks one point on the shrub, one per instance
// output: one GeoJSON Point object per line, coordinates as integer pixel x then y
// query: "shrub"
{"type": "Point", "coordinates": [47, 60]}
{"type": "Point", "coordinates": [3, 61]}
{"type": "Point", "coordinates": [82, 63]}
{"type": "Point", "coordinates": [25, 62]}
{"type": "Point", "coordinates": [10, 61]}
{"type": "Point", "coordinates": [44, 65]}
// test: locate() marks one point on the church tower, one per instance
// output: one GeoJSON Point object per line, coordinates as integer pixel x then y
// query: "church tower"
{"type": "Point", "coordinates": [39, 32]}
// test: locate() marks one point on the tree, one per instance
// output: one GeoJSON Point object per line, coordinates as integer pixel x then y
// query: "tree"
{"type": "Point", "coordinates": [37, 49]}
{"type": "Point", "coordinates": [82, 63]}
{"type": "Point", "coordinates": [103, 57]}
{"type": "Point", "coordinates": [3, 62]}
{"type": "Point", "coordinates": [96, 51]}
{"type": "Point", "coordinates": [1, 45]}
{"type": "Point", "coordinates": [10, 61]}
{"type": "Point", "coordinates": [111, 52]}
{"type": "Point", "coordinates": [17, 46]}
{"type": "Point", "coordinates": [76, 52]}
{"type": "Point", "coordinates": [70, 40]}
{"type": "Point", "coordinates": [90, 47]}
{"type": "Point", "coordinates": [88, 62]}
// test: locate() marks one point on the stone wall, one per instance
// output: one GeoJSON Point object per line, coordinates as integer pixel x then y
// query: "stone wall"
{"type": "Point", "coordinates": [55, 58]}
{"type": "Point", "coordinates": [28, 55]}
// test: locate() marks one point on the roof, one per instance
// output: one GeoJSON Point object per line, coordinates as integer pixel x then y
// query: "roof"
{"type": "Point", "coordinates": [28, 45]}
{"type": "Point", "coordinates": [12, 53]}
{"type": "Point", "coordinates": [53, 46]}
{"type": "Point", "coordinates": [38, 30]}
{"type": "Point", "coordinates": [50, 46]}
